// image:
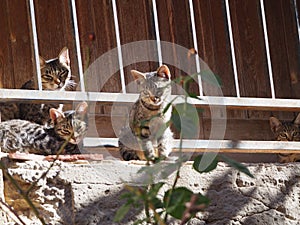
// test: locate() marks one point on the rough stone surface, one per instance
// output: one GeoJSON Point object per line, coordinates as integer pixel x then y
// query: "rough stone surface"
{"type": "Point", "coordinates": [89, 193]}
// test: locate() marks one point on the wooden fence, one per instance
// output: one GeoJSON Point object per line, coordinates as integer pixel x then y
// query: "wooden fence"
{"type": "Point", "coordinates": [252, 45]}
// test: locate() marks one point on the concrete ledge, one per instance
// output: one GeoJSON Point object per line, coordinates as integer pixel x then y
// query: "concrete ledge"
{"type": "Point", "coordinates": [88, 193]}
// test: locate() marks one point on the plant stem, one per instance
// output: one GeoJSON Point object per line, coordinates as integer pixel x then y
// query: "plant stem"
{"type": "Point", "coordinates": [22, 193]}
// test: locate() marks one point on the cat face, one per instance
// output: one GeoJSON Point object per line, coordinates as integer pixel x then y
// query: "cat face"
{"type": "Point", "coordinates": [70, 125]}
{"type": "Point", "coordinates": [154, 86]}
{"type": "Point", "coordinates": [56, 72]}
{"type": "Point", "coordinates": [286, 131]}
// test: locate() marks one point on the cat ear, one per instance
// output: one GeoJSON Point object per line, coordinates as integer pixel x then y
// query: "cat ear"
{"type": "Point", "coordinates": [55, 114]}
{"type": "Point", "coordinates": [164, 72]}
{"type": "Point", "coordinates": [63, 57]}
{"type": "Point", "coordinates": [274, 123]}
{"type": "Point", "coordinates": [138, 76]}
{"type": "Point", "coordinates": [297, 119]}
{"type": "Point", "coordinates": [82, 108]}
{"type": "Point", "coordinates": [42, 62]}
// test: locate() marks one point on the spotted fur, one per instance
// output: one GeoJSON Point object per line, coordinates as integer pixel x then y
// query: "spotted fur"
{"type": "Point", "coordinates": [286, 131]}
{"type": "Point", "coordinates": [55, 76]}
{"type": "Point", "coordinates": [147, 135]}
{"type": "Point", "coordinates": [25, 136]}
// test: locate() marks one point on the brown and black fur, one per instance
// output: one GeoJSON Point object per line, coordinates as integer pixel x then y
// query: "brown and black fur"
{"type": "Point", "coordinates": [147, 135]}
{"type": "Point", "coordinates": [286, 131]}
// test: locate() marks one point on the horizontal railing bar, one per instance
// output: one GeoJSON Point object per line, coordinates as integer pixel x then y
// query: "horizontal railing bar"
{"type": "Point", "coordinates": [230, 102]}
{"type": "Point", "coordinates": [211, 145]}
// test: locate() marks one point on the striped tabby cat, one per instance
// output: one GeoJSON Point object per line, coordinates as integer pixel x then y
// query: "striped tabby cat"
{"type": "Point", "coordinates": [55, 77]}
{"type": "Point", "coordinates": [147, 129]}
{"type": "Point", "coordinates": [25, 136]}
{"type": "Point", "coordinates": [286, 131]}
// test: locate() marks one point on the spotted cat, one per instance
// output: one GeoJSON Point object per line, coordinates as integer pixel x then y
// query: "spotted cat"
{"type": "Point", "coordinates": [55, 76]}
{"type": "Point", "coordinates": [147, 135]}
{"type": "Point", "coordinates": [25, 136]}
{"type": "Point", "coordinates": [286, 131]}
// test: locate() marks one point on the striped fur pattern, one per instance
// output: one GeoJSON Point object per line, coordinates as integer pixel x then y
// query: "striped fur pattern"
{"type": "Point", "coordinates": [25, 136]}
{"type": "Point", "coordinates": [286, 131]}
{"type": "Point", "coordinates": [56, 76]}
{"type": "Point", "coordinates": [147, 135]}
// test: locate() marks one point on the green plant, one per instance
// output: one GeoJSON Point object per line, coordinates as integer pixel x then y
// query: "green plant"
{"type": "Point", "coordinates": [177, 202]}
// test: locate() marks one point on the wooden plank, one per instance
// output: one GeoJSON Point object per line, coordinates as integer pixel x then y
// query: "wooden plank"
{"type": "Point", "coordinates": [20, 42]}
{"type": "Point", "coordinates": [104, 97]}
{"type": "Point", "coordinates": [175, 27]}
{"type": "Point", "coordinates": [55, 30]}
{"type": "Point", "coordinates": [213, 41]}
{"type": "Point", "coordinates": [97, 35]}
{"type": "Point", "coordinates": [222, 146]}
{"type": "Point", "coordinates": [135, 24]}
{"type": "Point", "coordinates": [249, 47]}
{"type": "Point", "coordinates": [277, 42]}
{"type": "Point", "coordinates": [292, 45]}
{"type": "Point", "coordinates": [6, 64]}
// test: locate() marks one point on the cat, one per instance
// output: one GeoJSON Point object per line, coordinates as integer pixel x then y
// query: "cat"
{"type": "Point", "coordinates": [55, 76]}
{"type": "Point", "coordinates": [25, 136]}
{"type": "Point", "coordinates": [147, 135]}
{"type": "Point", "coordinates": [286, 131]}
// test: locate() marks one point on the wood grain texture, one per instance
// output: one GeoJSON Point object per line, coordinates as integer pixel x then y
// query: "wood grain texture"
{"type": "Point", "coordinates": [213, 41]}
{"type": "Point", "coordinates": [6, 63]}
{"type": "Point", "coordinates": [135, 23]}
{"type": "Point", "coordinates": [97, 36]}
{"type": "Point", "coordinates": [170, 15]}
{"type": "Point", "coordinates": [250, 48]}
{"type": "Point", "coordinates": [284, 47]}
{"type": "Point", "coordinates": [20, 42]}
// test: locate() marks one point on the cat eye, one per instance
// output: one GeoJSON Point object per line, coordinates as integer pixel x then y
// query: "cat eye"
{"type": "Point", "coordinates": [47, 77]}
{"type": "Point", "coordinates": [283, 135]}
{"type": "Point", "coordinates": [63, 74]}
{"type": "Point", "coordinates": [65, 132]}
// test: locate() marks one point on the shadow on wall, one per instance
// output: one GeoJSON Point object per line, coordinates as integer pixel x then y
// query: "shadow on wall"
{"type": "Point", "coordinates": [102, 211]}
{"type": "Point", "coordinates": [248, 201]}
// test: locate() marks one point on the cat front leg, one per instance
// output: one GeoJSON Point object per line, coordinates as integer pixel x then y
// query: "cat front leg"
{"type": "Point", "coordinates": [165, 143]}
{"type": "Point", "coordinates": [147, 148]}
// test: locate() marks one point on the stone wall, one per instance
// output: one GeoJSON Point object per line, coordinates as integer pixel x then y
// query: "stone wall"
{"type": "Point", "coordinates": [88, 193]}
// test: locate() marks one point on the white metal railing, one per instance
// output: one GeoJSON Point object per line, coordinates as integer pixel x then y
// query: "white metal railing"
{"type": "Point", "coordinates": [230, 102]}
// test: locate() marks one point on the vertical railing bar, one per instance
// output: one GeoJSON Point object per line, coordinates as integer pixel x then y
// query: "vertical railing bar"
{"type": "Point", "coordinates": [194, 32]}
{"type": "Point", "coordinates": [263, 15]}
{"type": "Point", "coordinates": [35, 44]}
{"type": "Point", "coordinates": [297, 19]}
{"type": "Point", "coordinates": [78, 51]}
{"type": "Point", "coordinates": [156, 24]}
{"type": "Point", "coordinates": [116, 22]}
{"type": "Point", "coordinates": [236, 79]}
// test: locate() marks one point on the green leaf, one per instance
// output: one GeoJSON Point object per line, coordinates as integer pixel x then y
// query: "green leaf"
{"type": "Point", "coordinates": [122, 211]}
{"type": "Point", "coordinates": [201, 169]}
{"type": "Point", "coordinates": [177, 200]}
{"type": "Point", "coordinates": [157, 203]}
{"type": "Point", "coordinates": [236, 165]}
{"type": "Point", "coordinates": [186, 120]}
{"type": "Point", "coordinates": [193, 95]}
{"type": "Point", "coordinates": [210, 77]}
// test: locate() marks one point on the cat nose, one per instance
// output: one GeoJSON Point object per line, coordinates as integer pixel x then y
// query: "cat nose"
{"type": "Point", "coordinates": [155, 98]}
{"type": "Point", "coordinates": [57, 81]}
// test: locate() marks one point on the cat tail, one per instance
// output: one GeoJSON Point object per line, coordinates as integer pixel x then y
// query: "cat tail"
{"type": "Point", "coordinates": [128, 146]}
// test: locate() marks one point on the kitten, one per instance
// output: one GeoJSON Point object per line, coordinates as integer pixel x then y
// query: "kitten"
{"type": "Point", "coordinates": [148, 135]}
{"type": "Point", "coordinates": [25, 136]}
{"type": "Point", "coordinates": [286, 131]}
{"type": "Point", "coordinates": [56, 76]}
